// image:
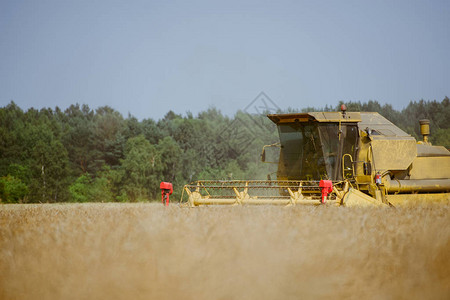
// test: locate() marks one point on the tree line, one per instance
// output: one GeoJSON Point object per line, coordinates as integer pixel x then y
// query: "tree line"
{"type": "Point", "coordinates": [85, 155]}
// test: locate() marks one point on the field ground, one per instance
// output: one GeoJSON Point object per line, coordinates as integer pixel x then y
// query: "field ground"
{"type": "Point", "coordinates": [146, 251]}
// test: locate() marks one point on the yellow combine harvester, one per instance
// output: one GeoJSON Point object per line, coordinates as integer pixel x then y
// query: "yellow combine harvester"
{"type": "Point", "coordinates": [342, 158]}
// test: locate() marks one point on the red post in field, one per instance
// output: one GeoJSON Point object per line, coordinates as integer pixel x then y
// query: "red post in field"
{"type": "Point", "coordinates": [166, 190]}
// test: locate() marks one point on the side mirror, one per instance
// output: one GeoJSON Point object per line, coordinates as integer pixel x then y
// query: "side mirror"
{"type": "Point", "coordinates": [263, 153]}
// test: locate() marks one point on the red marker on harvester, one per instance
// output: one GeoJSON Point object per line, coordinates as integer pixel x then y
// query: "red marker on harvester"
{"type": "Point", "coordinates": [327, 187]}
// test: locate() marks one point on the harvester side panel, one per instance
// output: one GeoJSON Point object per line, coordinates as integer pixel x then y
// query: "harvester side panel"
{"type": "Point", "coordinates": [430, 168]}
{"type": "Point", "coordinates": [393, 154]}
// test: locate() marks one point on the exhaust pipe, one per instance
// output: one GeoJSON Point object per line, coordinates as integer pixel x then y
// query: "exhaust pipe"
{"type": "Point", "coordinates": [425, 129]}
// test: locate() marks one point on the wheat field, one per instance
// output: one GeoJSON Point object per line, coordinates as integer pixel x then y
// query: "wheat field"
{"type": "Point", "coordinates": [147, 251]}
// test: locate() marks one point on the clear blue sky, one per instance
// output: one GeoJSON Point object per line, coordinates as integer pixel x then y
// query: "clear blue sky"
{"type": "Point", "coordinates": [148, 57]}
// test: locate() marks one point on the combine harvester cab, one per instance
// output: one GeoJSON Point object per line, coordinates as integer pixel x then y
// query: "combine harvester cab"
{"type": "Point", "coordinates": [360, 157]}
